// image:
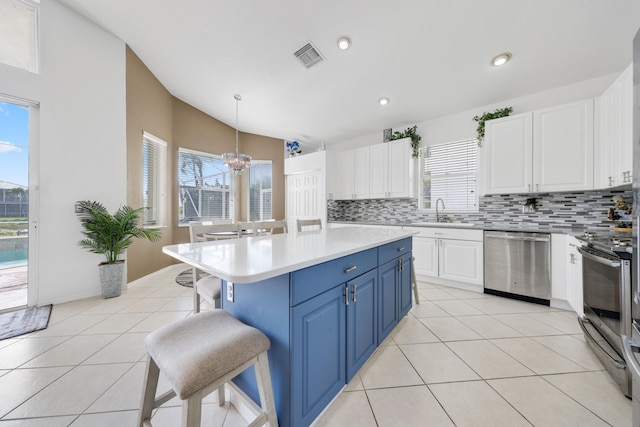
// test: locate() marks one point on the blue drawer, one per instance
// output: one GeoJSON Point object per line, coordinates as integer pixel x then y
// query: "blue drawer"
{"type": "Point", "coordinates": [393, 250]}
{"type": "Point", "coordinates": [312, 281]}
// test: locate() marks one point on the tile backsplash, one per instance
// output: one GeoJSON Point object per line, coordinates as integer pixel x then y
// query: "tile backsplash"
{"type": "Point", "coordinates": [587, 208]}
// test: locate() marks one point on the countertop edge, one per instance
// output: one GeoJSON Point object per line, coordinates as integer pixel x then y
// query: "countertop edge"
{"type": "Point", "coordinates": [174, 251]}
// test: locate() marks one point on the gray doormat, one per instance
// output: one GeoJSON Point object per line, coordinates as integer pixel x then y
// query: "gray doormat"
{"type": "Point", "coordinates": [186, 278]}
{"type": "Point", "coordinates": [20, 322]}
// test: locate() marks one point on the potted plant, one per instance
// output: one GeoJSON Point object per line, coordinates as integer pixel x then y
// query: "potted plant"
{"type": "Point", "coordinates": [501, 112]}
{"type": "Point", "coordinates": [111, 235]}
{"type": "Point", "coordinates": [415, 139]}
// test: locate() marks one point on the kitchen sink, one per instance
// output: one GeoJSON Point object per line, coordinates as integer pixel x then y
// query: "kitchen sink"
{"type": "Point", "coordinates": [444, 224]}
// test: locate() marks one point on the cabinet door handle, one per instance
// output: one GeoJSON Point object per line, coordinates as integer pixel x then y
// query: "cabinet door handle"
{"type": "Point", "coordinates": [572, 258]}
{"type": "Point", "coordinates": [401, 248]}
{"type": "Point", "coordinates": [346, 295]}
{"type": "Point", "coordinates": [529, 188]}
{"type": "Point", "coordinates": [354, 292]}
{"type": "Point", "coordinates": [537, 187]}
{"type": "Point", "coordinates": [610, 181]}
{"type": "Point", "coordinates": [350, 269]}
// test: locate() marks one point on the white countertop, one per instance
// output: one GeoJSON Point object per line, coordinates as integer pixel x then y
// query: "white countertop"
{"type": "Point", "coordinates": [252, 259]}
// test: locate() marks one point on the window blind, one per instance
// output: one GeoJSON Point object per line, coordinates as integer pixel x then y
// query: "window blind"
{"type": "Point", "coordinates": [260, 205]}
{"type": "Point", "coordinates": [19, 34]}
{"type": "Point", "coordinates": [449, 171]}
{"type": "Point", "coordinates": [154, 152]}
{"type": "Point", "coordinates": [205, 187]}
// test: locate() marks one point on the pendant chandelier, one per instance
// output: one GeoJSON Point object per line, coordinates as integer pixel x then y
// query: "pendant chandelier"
{"type": "Point", "coordinates": [236, 162]}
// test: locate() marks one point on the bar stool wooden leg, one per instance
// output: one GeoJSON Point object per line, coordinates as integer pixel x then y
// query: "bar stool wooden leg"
{"type": "Point", "coordinates": [149, 393]}
{"type": "Point", "coordinates": [221, 398]}
{"type": "Point", "coordinates": [196, 295]}
{"type": "Point", "coordinates": [263, 378]}
{"type": "Point", "coordinates": [192, 410]}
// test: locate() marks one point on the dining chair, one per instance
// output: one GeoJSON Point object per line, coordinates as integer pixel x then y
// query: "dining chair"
{"type": "Point", "coordinates": [316, 222]}
{"type": "Point", "coordinates": [246, 228]}
{"type": "Point", "coordinates": [209, 286]}
{"type": "Point", "coordinates": [261, 228]}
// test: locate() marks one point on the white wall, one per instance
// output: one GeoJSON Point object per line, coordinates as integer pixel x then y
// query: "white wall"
{"type": "Point", "coordinates": [461, 125]}
{"type": "Point", "coordinates": [82, 147]}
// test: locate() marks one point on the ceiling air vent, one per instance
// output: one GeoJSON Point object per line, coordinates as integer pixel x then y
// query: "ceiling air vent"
{"type": "Point", "coordinates": [309, 55]}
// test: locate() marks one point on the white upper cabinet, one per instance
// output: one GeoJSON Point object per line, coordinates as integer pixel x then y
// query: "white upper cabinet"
{"type": "Point", "coordinates": [563, 147]}
{"type": "Point", "coordinates": [392, 170]}
{"type": "Point", "coordinates": [614, 139]}
{"type": "Point", "coordinates": [376, 172]}
{"type": "Point", "coordinates": [345, 184]}
{"type": "Point", "coordinates": [401, 168]}
{"type": "Point", "coordinates": [361, 173]}
{"type": "Point", "coordinates": [507, 155]}
{"type": "Point", "coordinates": [379, 171]}
{"type": "Point", "coordinates": [353, 174]}
{"type": "Point", "coordinates": [544, 151]}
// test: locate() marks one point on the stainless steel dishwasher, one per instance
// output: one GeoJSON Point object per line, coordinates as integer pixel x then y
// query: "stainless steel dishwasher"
{"type": "Point", "coordinates": [518, 265]}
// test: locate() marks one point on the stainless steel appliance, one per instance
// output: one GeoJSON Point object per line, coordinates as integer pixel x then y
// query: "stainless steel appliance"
{"type": "Point", "coordinates": [517, 265]}
{"type": "Point", "coordinates": [631, 344]}
{"type": "Point", "coordinates": [606, 291]}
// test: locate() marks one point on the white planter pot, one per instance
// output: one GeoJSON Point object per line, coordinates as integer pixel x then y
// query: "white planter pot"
{"type": "Point", "coordinates": [111, 279]}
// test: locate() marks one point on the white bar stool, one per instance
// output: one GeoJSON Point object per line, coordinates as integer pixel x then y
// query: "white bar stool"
{"type": "Point", "coordinates": [198, 355]}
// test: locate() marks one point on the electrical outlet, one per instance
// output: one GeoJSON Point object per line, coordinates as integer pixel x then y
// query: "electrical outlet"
{"type": "Point", "coordinates": [230, 291]}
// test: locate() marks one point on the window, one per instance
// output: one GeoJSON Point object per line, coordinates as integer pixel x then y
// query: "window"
{"type": "Point", "coordinates": [205, 187]}
{"type": "Point", "coordinates": [154, 180]}
{"type": "Point", "coordinates": [260, 191]}
{"type": "Point", "coordinates": [449, 171]}
{"type": "Point", "coordinates": [19, 34]}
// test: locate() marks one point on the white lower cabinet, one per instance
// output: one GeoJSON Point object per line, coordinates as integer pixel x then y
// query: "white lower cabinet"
{"type": "Point", "coordinates": [574, 276]}
{"type": "Point", "coordinates": [452, 257]}
{"type": "Point", "coordinates": [566, 273]}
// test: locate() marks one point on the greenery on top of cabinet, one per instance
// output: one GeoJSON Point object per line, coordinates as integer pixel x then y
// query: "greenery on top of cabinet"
{"type": "Point", "coordinates": [504, 112]}
{"type": "Point", "coordinates": [415, 139]}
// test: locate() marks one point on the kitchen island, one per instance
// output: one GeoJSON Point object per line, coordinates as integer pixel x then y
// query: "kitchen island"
{"type": "Point", "coordinates": [326, 300]}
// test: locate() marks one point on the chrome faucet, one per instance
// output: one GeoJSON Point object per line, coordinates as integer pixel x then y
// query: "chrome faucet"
{"type": "Point", "coordinates": [437, 211]}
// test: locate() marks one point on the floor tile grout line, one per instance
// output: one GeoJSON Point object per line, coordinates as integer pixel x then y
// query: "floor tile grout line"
{"type": "Point", "coordinates": [569, 396]}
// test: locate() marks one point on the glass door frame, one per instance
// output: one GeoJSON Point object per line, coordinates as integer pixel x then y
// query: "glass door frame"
{"type": "Point", "coordinates": [34, 166]}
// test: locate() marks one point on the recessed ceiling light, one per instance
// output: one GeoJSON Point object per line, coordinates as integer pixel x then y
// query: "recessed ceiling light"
{"type": "Point", "coordinates": [344, 42]}
{"type": "Point", "coordinates": [501, 59]}
{"type": "Point", "coordinates": [383, 101]}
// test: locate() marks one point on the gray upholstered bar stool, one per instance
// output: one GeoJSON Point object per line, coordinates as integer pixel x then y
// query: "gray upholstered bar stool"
{"type": "Point", "coordinates": [198, 355]}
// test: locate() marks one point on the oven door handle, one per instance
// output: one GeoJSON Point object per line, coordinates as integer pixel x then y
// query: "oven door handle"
{"type": "Point", "coordinates": [629, 346]}
{"type": "Point", "coordinates": [598, 259]}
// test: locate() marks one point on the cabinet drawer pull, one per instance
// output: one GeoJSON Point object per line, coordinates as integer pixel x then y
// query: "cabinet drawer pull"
{"type": "Point", "coordinates": [401, 248]}
{"type": "Point", "coordinates": [354, 292]}
{"type": "Point", "coordinates": [349, 270]}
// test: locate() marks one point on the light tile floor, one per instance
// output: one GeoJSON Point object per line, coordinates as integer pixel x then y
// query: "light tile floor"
{"type": "Point", "coordinates": [459, 358]}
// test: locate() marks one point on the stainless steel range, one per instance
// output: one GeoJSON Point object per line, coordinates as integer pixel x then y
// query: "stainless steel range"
{"type": "Point", "coordinates": [606, 287]}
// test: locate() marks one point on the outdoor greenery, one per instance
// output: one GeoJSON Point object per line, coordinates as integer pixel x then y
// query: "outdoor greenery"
{"type": "Point", "coordinates": [108, 234]}
{"type": "Point", "coordinates": [415, 139]}
{"type": "Point", "coordinates": [13, 226]}
{"type": "Point", "coordinates": [501, 112]}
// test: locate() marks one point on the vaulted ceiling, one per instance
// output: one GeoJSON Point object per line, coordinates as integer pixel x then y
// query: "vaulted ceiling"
{"type": "Point", "coordinates": [429, 57]}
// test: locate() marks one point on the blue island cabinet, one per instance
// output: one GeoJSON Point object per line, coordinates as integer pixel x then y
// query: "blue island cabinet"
{"type": "Point", "coordinates": [323, 323]}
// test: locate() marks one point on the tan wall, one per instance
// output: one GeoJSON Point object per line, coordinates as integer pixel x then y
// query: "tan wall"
{"type": "Point", "coordinates": [198, 131]}
{"type": "Point", "coordinates": [264, 148]}
{"type": "Point", "coordinates": [150, 107]}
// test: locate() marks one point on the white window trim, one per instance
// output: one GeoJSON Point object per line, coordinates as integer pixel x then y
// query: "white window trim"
{"type": "Point", "coordinates": [421, 183]}
{"type": "Point", "coordinates": [34, 45]}
{"type": "Point", "coordinates": [160, 205]}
